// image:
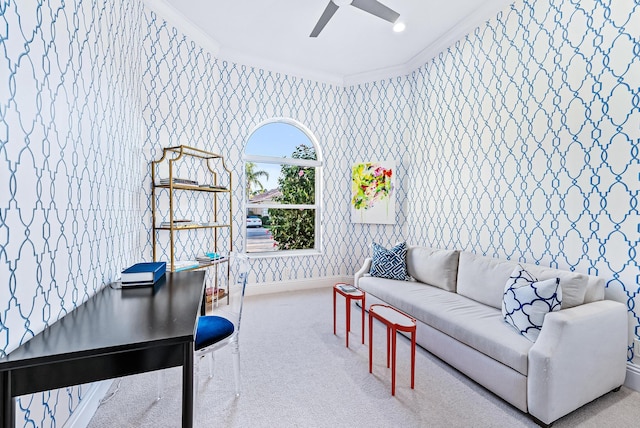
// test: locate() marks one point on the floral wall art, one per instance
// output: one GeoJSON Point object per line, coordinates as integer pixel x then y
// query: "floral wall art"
{"type": "Point", "coordinates": [373, 191]}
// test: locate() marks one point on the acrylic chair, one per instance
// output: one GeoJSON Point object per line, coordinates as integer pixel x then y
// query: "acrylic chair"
{"type": "Point", "coordinates": [222, 328]}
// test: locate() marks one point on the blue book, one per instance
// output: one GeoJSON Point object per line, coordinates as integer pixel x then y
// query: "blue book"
{"type": "Point", "coordinates": [149, 272]}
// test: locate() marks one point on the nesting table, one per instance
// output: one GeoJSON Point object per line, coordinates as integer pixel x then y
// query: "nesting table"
{"type": "Point", "coordinates": [349, 292]}
{"type": "Point", "coordinates": [395, 321]}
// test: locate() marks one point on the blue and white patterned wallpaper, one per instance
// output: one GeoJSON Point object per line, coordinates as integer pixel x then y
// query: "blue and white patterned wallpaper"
{"type": "Point", "coordinates": [519, 141]}
{"type": "Point", "coordinates": [70, 173]}
{"type": "Point", "coordinates": [526, 141]}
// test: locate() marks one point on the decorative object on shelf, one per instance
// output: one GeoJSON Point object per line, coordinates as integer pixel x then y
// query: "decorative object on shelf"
{"type": "Point", "coordinates": [373, 192]}
{"type": "Point", "coordinates": [210, 258]}
{"type": "Point", "coordinates": [180, 265]}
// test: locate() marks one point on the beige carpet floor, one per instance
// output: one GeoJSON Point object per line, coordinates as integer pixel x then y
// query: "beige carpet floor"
{"type": "Point", "coordinates": [296, 373]}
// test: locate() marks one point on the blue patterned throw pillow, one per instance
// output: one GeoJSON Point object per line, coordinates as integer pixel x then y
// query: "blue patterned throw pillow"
{"type": "Point", "coordinates": [526, 301]}
{"type": "Point", "coordinates": [391, 264]}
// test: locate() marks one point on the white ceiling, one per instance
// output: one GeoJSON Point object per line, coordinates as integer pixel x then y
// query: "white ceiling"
{"type": "Point", "coordinates": [354, 47]}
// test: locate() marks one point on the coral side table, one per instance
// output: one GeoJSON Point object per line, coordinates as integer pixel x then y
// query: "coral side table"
{"type": "Point", "coordinates": [350, 293]}
{"type": "Point", "coordinates": [395, 321]}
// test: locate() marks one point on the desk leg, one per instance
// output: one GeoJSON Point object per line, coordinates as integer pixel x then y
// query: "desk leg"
{"type": "Point", "coordinates": [7, 403]}
{"type": "Point", "coordinates": [187, 386]}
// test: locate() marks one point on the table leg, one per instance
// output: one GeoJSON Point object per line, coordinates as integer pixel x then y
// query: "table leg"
{"type": "Point", "coordinates": [348, 303]}
{"type": "Point", "coordinates": [187, 386]}
{"type": "Point", "coordinates": [334, 310]}
{"type": "Point", "coordinates": [370, 341]}
{"type": "Point", "coordinates": [393, 361]}
{"type": "Point", "coordinates": [388, 344]}
{"type": "Point", "coordinates": [363, 307]}
{"type": "Point", "coordinates": [413, 357]}
{"type": "Point", "coordinates": [7, 403]}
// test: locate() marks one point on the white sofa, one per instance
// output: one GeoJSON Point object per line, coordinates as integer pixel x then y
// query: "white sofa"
{"type": "Point", "coordinates": [456, 297]}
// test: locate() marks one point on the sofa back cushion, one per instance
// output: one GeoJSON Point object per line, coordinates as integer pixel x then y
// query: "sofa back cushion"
{"type": "Point", "coordinates": [574, 285]}
{"type": "Point", "coordinates": [433, 266]}
{"type": "Point", "coordinates": [483, 279]}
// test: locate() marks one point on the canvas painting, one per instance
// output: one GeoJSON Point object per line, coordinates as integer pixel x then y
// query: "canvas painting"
{"type": "Point", "coordinates": [373, 192]}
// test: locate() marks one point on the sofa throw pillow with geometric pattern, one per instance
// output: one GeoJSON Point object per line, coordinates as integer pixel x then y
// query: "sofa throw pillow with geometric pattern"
{"type": "Point", "coordinates": [391, 264]}
{"type": "Point", "coordinates": [526, 301]}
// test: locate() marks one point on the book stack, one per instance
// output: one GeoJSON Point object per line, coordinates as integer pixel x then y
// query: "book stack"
{"type": "Point", "coordinates": [143, 274]}
{"type": "Point", "coordinates": [179, 265]}
{"type": "Point", "coordinates": [175, 180]}
{"type": "Point", "coordinates": [208, 224]}
{"type": "Point", "coordinates": [208, 258]}
{"type": "Point", "coordinates": [178, 223]}
{"type": "Point", "coordinates": [212, 186]}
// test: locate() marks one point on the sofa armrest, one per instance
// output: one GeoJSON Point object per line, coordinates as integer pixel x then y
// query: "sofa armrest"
{"type": "Point", "coordinates": [581, 354]}
{"type": "Point", "coordinates": [366, 267]}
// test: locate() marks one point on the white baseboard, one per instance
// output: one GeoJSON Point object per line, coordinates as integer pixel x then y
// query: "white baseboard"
{"type": "Point", "coordinates": [294, 285]}
{"type": "Point", "coordinates": [89, 404]}
{"type": "Point", "coordinates": [632, 380]}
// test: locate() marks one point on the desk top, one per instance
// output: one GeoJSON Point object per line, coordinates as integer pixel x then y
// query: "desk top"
{"type": "Point", "coordinates": [118, 320]}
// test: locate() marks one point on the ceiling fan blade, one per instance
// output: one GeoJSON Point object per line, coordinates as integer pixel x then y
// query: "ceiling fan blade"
{"type": "Point", "coordinates": [376, 8]}
{"type": "Point", "coordinates": [326, 16]}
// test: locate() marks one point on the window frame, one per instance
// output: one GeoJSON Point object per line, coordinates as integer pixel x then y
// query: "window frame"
{"type": "Point", "coordinates": [317, 205]}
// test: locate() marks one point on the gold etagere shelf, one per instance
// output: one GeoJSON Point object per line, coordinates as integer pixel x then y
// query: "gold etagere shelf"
{"type": "Point", "coordinates": [171, 157]}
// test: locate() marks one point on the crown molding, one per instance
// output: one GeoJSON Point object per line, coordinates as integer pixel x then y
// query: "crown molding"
{"type": "Point", "coordinates": [468, 24]}
{"type": "Point", "coordinates": [463, 28]}
{"type": "Point", "coordinates": [386, 73]}
{"type": "Point", "coordinates": [279, 67]}
{"type": "Point", "coordinates": [184, 24]}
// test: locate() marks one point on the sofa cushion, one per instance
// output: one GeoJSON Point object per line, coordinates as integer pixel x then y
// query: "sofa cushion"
{"type": "Point", "coordinates": [526, 301]}
{"type": "Point", "coordinates": [574, 285]}
{"type": "Point", "coordinates": [483, 278]}
{"type": "Point", "coordinates": [389, 263]}
{"type": "Point", "coordinates": [433, 266]}
{"type": "Point", "coordinates": [476, 325]}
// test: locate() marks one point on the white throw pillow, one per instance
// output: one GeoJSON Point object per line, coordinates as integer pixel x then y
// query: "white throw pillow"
{"type": "Point", "coordinates": [527, 301]}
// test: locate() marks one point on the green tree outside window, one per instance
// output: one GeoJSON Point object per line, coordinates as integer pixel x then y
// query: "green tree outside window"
{"type": "Point", "coordinates": [294, 229]}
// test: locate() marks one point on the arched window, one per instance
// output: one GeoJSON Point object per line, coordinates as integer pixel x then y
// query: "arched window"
{"type": "Point", "coordinates": [282, 188]}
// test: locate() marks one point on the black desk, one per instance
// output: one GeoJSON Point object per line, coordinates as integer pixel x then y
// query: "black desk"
{"type": "Point", "coordinates": [115, 333]}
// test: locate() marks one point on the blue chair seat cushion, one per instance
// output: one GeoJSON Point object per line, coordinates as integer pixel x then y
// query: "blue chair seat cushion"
{"type": "Point", "coordinates": [212, 329]}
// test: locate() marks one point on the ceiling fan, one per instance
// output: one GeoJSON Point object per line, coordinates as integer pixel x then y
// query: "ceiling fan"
{"type": "Point", "coordinates": [373, 7]}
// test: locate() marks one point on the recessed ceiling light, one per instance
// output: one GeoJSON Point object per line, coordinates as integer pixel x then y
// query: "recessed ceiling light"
{"type": "Point", "coordinates": [399, 27]}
